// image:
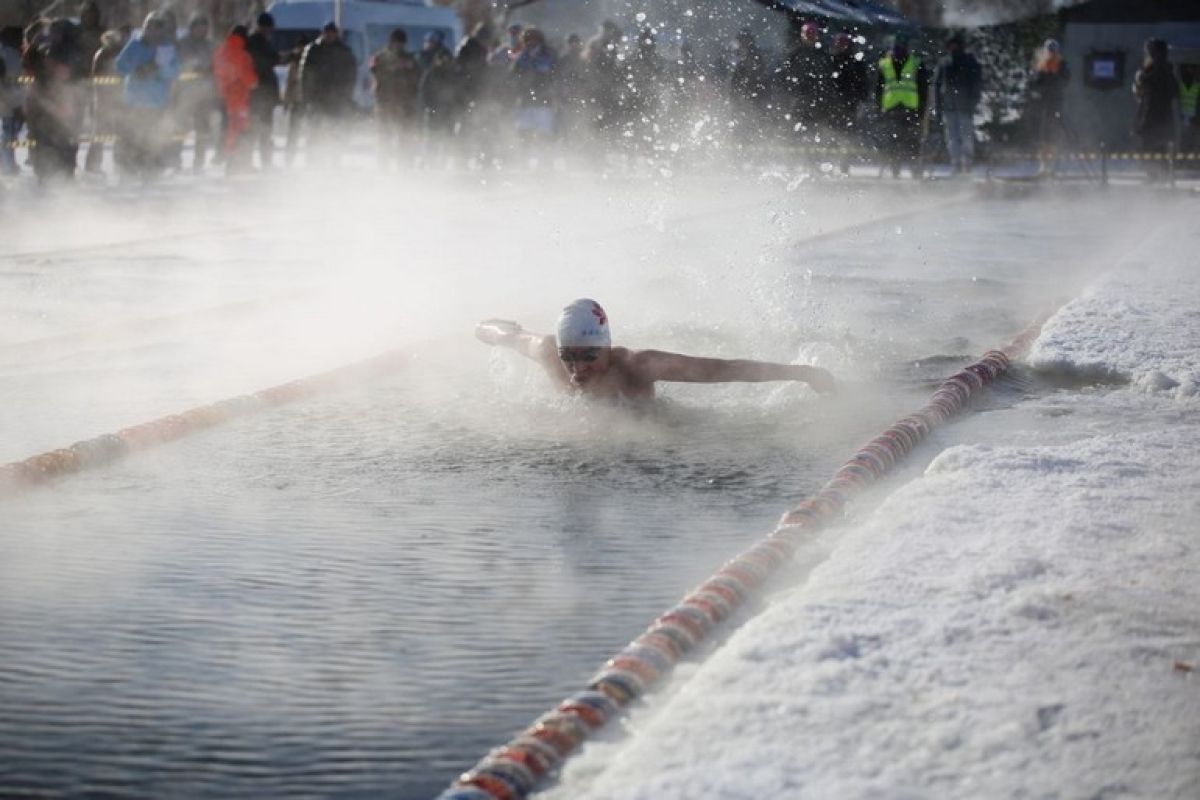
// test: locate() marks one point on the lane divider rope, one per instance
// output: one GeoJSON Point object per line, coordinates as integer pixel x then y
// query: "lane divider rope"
{"type": "Point", "coordinates": [131, 242]}
{"type": "Point", "coordinates": [513, 770]}
{"type": "Point", "coordinates": [104, 449]}
{"type": "Point", "coordinates": [106, 333]}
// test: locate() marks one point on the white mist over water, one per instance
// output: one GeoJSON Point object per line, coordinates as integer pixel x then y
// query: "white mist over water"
{"type": "Point", "coordinates": [363, 592]}
{"type": "Point", "coordinates": [295, 282]}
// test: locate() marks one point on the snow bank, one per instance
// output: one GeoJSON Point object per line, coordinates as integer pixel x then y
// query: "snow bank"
{"type": "Point", "coordinates": [1143, 327]}
{"type": "Point", "coordinates": [1019, 621]}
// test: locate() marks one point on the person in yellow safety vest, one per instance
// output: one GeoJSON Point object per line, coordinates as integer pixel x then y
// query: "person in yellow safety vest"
{"type": "Point", "coordinates": [1189, 99]}
{"type": "Point", "coordinates": [901, 90]}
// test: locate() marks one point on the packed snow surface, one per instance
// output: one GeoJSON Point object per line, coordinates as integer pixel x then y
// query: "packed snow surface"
{"type": "Point", "coordinates": [1138, 325]}
{"type": "Point", "coordinates": [1020, 620]}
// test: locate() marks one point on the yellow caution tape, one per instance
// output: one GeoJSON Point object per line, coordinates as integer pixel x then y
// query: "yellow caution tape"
{"type": "Point", "coordinates": [110, 138]}
{"type": "Point", "coordinates": [1092, 156]}
{"type": "Point", "coordinates": [112, 80]}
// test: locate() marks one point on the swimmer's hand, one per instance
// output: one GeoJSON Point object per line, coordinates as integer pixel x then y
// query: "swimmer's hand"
{"type": "Point", "coordinates": [819, 379]}
{"type": "Point", "coordinates": [494, 331]}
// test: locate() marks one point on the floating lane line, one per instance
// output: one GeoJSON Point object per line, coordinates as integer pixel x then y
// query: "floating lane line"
{"type": "Point", "coordinates": [154, 238]}
{"type": "Point", "coordinates": [165, 322]}
{"type": "Point", "coordinates": [104, 449]}
{"type": "Point", "coordinates": [514, 770]}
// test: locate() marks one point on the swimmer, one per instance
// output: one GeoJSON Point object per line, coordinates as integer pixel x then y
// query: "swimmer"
{"type": "Point", "coordinates": [580, 358]}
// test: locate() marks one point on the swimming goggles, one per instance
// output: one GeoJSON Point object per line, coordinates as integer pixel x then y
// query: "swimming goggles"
{"type": "Point", "coordinates": [587, 356]}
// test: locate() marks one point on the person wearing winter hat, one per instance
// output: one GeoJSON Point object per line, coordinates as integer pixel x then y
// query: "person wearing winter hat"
{"type": "Point", "coordinates": [580, 357]}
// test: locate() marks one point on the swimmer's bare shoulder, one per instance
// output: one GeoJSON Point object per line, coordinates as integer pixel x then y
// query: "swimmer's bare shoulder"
{"type": "Point", "coordinates": [635, 380]}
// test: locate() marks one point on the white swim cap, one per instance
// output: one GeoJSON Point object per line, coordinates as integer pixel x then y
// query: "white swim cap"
{"type": "Point", "coordinates": [583, 324]}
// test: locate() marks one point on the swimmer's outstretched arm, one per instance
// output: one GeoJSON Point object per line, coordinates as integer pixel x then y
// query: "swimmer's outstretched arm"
{"type": "Point", "coordinates": [506, 333]}
{"type": "Point", "coordinates": [657, 365]}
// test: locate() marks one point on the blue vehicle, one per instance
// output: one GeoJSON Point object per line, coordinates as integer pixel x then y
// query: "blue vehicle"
{"type": "Point", "coordinates": [366, 26]}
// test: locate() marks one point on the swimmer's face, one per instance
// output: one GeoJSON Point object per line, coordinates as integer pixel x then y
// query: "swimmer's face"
{"type": "Point", "coordinates": [584, 364]}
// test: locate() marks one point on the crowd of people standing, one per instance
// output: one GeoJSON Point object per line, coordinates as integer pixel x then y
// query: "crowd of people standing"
{"type": "Point", "coordinates": [142, 94]}
{"type": "Point", "coordinates": [146, 92]}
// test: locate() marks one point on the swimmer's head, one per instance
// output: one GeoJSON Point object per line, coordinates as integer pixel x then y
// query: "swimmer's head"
{"type": "Point", "coordinates": [583, 324]}
{"type": "Point", "coordinates": [584, 341]}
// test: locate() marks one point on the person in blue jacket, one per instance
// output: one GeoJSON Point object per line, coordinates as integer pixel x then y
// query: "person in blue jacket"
{"type": "Point", "coordinates": [150, 67]}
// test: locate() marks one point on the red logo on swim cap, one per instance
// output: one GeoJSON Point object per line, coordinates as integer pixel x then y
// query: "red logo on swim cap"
{"type": "Point", "coordinates": [598, 312]}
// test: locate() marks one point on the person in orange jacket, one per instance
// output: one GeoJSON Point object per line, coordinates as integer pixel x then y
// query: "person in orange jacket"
{"type": "Point", "coordinates": [236, 79]}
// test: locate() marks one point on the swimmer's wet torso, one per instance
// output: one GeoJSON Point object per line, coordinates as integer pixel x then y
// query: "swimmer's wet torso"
{"type": "Point", "coordinates": [580, 358]}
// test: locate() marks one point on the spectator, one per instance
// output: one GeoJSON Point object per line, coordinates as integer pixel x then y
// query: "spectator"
{"type": "Point", "coordinates": [606, 79]}
{"type": "Point", "coordinates": [433, 49]}
{"type": "Point", "coordinates": [1047, 86]}
{"type": "Point", "coordinates": [172, 155]}
{"type": "Point", "coordinates": [150, 68]}
{"type": "Point", "coordinates": [572, 56]}
{"type": "Point", "coordinates": [91, 29]}
{"type": "Point", "coordinates": [438, 91]}
{"type": "Point", "coordinates": [8, 163]}
{"type": "Point", "coordinates": [196, 95]}
{"type": "Point", "coordinates": [1189, 99]}
{"type": "Point", "coordinates": [105, 100]}
{"type": "Point", "coordinates": [533, 74]}
{"type": "Point", "coordinates": [1157, 92]}
{"type": "Point", "coordinates": [236, 79]}
{"type": "Point", "coordinates": [572, 87]}
{"type": "Point", "coordinates": [505, 54]}
{"type": "Point", "coordinates": [54, 106]}
{"type": "Point", "coordinates": [265, 96]}
{"type": "Point", "coordinates": [471, 63]}
{"type": "Point", "coordinates": [805, 76]}
{"type": "Point", "coordinates": [957, 86]}
{"type": "Point", "coordinates": [477, 90]}
{"type": "Point", "coordinates": [293, 102]}
{"type": "Point", "coordinates": [901, 88]}
{"type": "Point", "coordinates": [397, 78]}
{"type": "Point", "coordinates": [327, 73]}
{"type": "Point", "coordinates": [12, 115]}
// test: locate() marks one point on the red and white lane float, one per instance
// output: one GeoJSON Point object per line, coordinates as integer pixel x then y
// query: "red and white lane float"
{"type": "Point", "coordinates": [109, 447]}
{"type": "Point", "coordinates": [512, 771]}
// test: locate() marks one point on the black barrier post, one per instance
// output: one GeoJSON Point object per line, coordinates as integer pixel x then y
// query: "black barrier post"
{"type": "Point", "coordinates": [1103, 164]}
